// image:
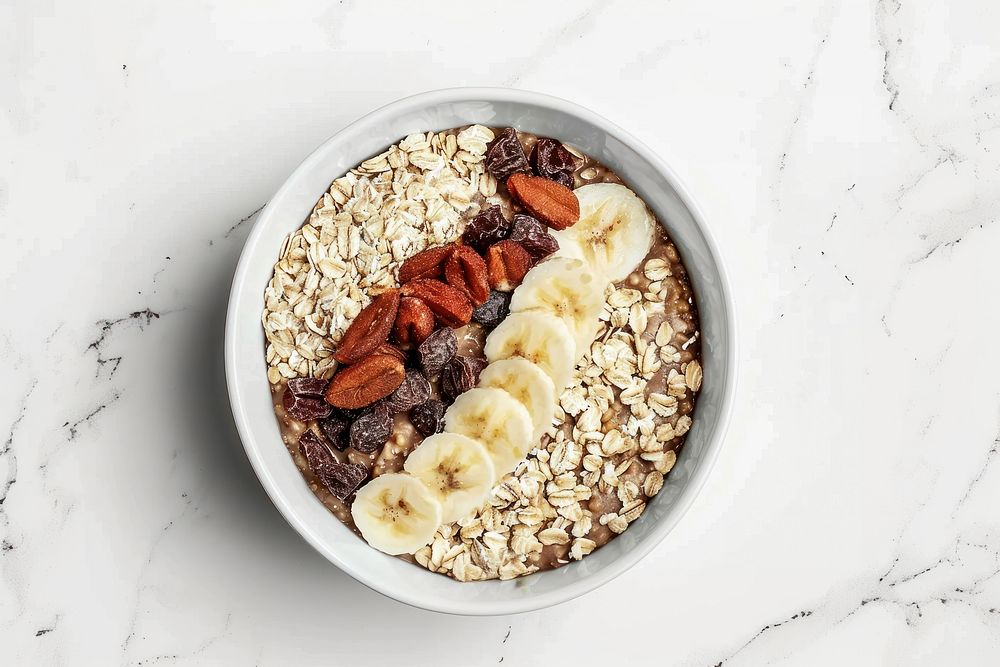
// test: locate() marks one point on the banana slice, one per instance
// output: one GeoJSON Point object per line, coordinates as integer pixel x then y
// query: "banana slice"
{"type": "Point", "coordinates": [567, 288]}
{"type": "Point", "coordinates": [528, 384]}
{"type": "Point", "coordinates": [497, 420]}
{"type": "Point", "coordinates": [396, 513]}
{"type": "Point", "coordinates": [615, 231]}
{"type": "Point", "coordinates": [539, 337]}
{"type": "Point", "coordinates": [457, 470]}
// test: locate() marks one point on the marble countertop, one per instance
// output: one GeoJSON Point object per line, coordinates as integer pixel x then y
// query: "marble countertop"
{"type": "Point", "coordinates": [847, 155]}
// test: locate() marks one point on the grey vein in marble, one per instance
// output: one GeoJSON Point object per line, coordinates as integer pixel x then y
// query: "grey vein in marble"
{"type": "Point", "coordinates": [73, 429]}
{"type": "Point", "coordinates": [7, 451]}
{"type": "Point", "coordinates": [801, 99]}
{"type": "Point", "coordinates": [987, 461]}
{"type": "Point", "coordinates": [142, 318]}
{"type": "Point", "coordinates": [242, 221]}
{"type": "Point", "coordinates": [884, 10]}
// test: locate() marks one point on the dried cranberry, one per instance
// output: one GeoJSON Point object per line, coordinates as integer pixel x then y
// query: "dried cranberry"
{"type": "Point", "coordinates": [436, 351]}
{"type": "Point", "coordinates": [309, 387]}
{"type": "Point", "coordinates": [460, 375]}
{"type": "Point", "coordinates": [486, 229]}
{"type": "Point", "coordinates": [414, 391]}
{"type": "Point", "coordinates": [428, 417]}
{"type": "Point", "coordinates": [505, 155]}
{"type": "Point", "coordinates": [304, 408]}
{"type": "Point", "coordinates": [533, 236]}
{"type": "Point", "coordinates": [370, 431]}
{"type": "Point", "coordinates": [551, 160]}
{"type": "Point", "coordinates": [343, 479]}
{"type": "Point", "coordinates": [494, 310]}
{"type": "Point", "coordinates": [336, 428]}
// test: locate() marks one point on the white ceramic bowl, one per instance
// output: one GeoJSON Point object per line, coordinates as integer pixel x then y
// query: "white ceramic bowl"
{"type": "Point", "coordinates": [246, 369]}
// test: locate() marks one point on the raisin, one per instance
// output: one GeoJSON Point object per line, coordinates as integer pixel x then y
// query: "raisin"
{"type": "Point", "coordinates": [304, 408]}
{"type": "Point", "coordinates": [336, 428]}
{"type": "Point", "coordinates": [505, 155]}
{"type": "Point", "coordinates": [414, 391]}
{"type": "Point", "coordinates": [370, 431]}
{"type": "Point", "coordinates": [309, 387]}
{"type": "Point", "coordinates": [486, 229]}
{"type": "Point", "coordinates": [460, 375]}
{"type": "Point", "coordinates": [436, 351]}
{"type": "Point", "coordinates": [551, 160]}
{"type": "Point", "coordinates": [428, 417]}
{"type": "Point", "coordinates": [533, 236]}
{"type": "Point", "coordinates": [343, 479]}
{"type": "Point", "coordinates": [494, 310]}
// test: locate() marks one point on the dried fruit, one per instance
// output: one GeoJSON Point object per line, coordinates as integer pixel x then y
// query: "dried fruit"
{"type": "Point", "coordinates": [534, 236]}
{"type": "Point", "coordinates": [552, 203]}
{"type": "Point", "coordinates": [304, 408]}
{"type": "Point", "coordinates": [460, 375]}
{"type": "Point", "coordinates": [315, 452]}
{"type": "Point", "coordinates": [369, 329]}
{"type": "Point", "coordinates": [451, 307]}
{"type": "Point", "coordinates": [494, 310]}
{"type": "Point", "coordinates": [551, 160]}
{"type": "Point", "coordinates": [465, 270]}
{"type": "Point", "coordinates": [439, 348]}
{"type": "Point", "coordinates": [428, 417]}
{"type": "Point", "coordinates": [414, 391]}
{"type": "Point", "coordinates": [505, 154]}
{"type": "Point", "coordinates": [486, 229]}
{"type": "Point", "coordinates": [370, 431]}
{"type": "Point", "coordinates": [425, 264]}
{"type": "Point", "coordinates": [365, 382]}
{"type": "Point", "coordinates": [335, 428]}
{"type": "Point", "coordinates": [414, 322]}
{"type": "Point", "coordinates": [506, 263]}
{"type": "Point", "coordinates": [310, 387]}
{"type": "Point", "coordinates": [343, 479]}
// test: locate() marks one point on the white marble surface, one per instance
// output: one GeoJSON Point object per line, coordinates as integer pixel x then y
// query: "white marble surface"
{"type": "Point", "coordinates": [847, 155]}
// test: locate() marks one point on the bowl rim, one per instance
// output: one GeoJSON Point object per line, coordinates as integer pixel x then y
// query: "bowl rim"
{"type": "Point", "coordinates": [713, 446]}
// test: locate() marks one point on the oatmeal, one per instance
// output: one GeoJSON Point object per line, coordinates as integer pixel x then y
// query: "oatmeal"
{"type": "Point", "coordinates": [483, 352]}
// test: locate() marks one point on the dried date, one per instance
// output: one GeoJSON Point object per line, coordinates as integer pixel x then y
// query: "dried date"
{"type": "Point", "coordinates": [505, 155]}
{"type": "Point", "coordinates": [336, 428]}
{"type": "Point", "coordinates": [304, 408]}
{"type": "Point", "coordinates": [315, 452]}
{"type": "Point", "coordinates": [486, 229]}
{"type": "Point", "coordinates": [533, 236]}
{"type": "Point", "coordinates": [343, 479]}
{"type": "Point", "coordinates": [460, 375]}
{"type": "Point", "coordinates": [551, 160]}
{"type": "Point", "coordinates": [308, 387]}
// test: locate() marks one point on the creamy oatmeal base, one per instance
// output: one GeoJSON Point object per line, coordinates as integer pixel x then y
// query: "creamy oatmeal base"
{"type": "Point", "coordinates": [620, 423]}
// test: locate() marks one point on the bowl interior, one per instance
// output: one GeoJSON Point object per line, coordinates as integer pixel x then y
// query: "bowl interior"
{"type": "Point", "coordinates": [246, 367]}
